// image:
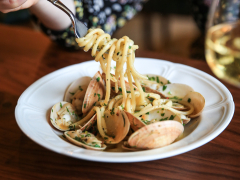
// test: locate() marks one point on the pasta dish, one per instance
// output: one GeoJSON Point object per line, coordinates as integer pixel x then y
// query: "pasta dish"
{"type": "Point", "coordinates": [119, 105]}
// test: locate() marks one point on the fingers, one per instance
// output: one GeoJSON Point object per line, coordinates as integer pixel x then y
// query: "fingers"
{"type": "Point", "coordinates": [15, 5]}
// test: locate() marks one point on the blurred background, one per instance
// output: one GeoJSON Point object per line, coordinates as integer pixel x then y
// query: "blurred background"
{"type": "Point", "coordinates": [165, 26]}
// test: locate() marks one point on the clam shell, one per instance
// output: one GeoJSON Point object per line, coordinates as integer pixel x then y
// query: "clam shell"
{"type": "Point", "coordinates": [74, 87]}
{"type": "Point", "coordinates": [117, 124]}
{"type": "Point", "coordinates": [175, 90]}
{"type": "Point", "coordinates": [198, 102]}
{"type": "Point", "coordinates": [135, 123]}
{"type": "Point", "coordinates": [54, 116]}
{"type": "Point", "coordinates": [70, 136]}
{"type": "Point", "coordinates": [94, 92]}
{"type": "Point", "coordinates": [156, 135]}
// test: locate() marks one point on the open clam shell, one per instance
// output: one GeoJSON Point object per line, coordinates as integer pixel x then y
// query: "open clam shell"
{"type": "Point", "coordinates": [197, 101]}
{"type": "Point", "coordinates": [135, 123]}
{"type": "Point", "coordinates": [160, 114]}
{"type": "Point", "coordinates": [175, 90]}
{"type": "Point", "coordinates": [80, 85]}
{"type": "Point", "coordinates": [155, 135]}
{"type": "Point", "coordinates": [117, 125]}
{"type": "Point", "coordinates": [62, 115]}
{"type": "Point", "coordinates": [94, 93]}
{"type": "Point", "coordinates": [75, 138]}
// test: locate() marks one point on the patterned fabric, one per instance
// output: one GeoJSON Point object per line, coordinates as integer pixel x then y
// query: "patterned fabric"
{"type": "Point", "coordinates": [108, 15]}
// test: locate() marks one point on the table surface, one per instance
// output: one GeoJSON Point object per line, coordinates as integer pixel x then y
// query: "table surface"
{"type": "Point", "coordinates": [26, 56]}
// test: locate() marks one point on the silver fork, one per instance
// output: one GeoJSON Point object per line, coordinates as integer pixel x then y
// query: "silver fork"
{"type": "Point", "coordinates": [80, 29]}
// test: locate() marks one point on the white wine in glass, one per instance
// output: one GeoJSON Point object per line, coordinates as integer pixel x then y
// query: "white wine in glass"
{"type": "Point", "coordinates": [223, 48]}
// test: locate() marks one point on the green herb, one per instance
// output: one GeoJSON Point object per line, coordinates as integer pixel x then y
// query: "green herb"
{"type": "Point", "coordinates": [88, 135]}
{"type": "Point", "coordinates": [51, 119]}
{"type": "Point", "coordinates": [163, 119]}
{"type": "Point", "coordinates": [85, 105]}
{"type": "Point", "coordinates": [68, 110]}
{"type": "Point", "coordinates": [128, 91]}
{"type": "Point", "coordinates": [52, 110]}
{"type": "Point", "coordinates": [162, 114]}
{"type": "Point", "coordinates": [71, 93]}
{"type": "Point", "coordinates": [96, 146]}
{"type": "Point", "coordinates": [112, 111]}
{"type": "Point", "coordinates": [111, 75]}
{"type": "Point", "coordinates": [94, 104]}
{"type": "Point", "coordinates": [60, 105]}
{"type": "Point", "coordinates": [147, 113]}
{"type": "Point", "coordinates": [117, 54]}
{"type": "Point", "coordinates": [157, 79]}
{"type": "Point", "coordinates": [123, 121]}
{"type": "Point", "coordinates": [120, 89]}
{"type": "Point", "coordinates": [94, 94]}
{"type": "Point", "coordinates": [169, 82]}
{"type": "Point", "coordinates": [143, 88]}
{"type": "Point", "coordinates": [157, 111]}
{"type": "Point", "coordinates": [98, 79]}
{"type": "Point", "coordinates": [189, 100]}
{"type": "Point", "coordinates": [134, 89]}
{"type": "Point", "coordinates": [77, 138]}
{"type": "Point", "coordinates": [80, 88]}
{"type": "Point", "coordinates": [63, 136]}
{"type": "Point", "coordinates": [151, 78]}
{"type": "Point", "coordinates": [105, 137]}
{"type": "Point", "coordinates": [104, 104]}
{"type": "Point", "coordinates": [130, 47]}
{"type": "Point", "coordinates": [169, 92]}
{"type": "Point", "coordinates": [113, 88]}
{"type": "Point", "coordinates": [122, 106]}
{"type": "Point", "coordinates": [172, 117]}
{"type": "Point", "coordinates": [99, 97]}
{"type": "Point", "coordinates": [164, 88]}
{"type": "Point", "coordinates": [162, 108]}
{"type": "Point", "coordinates": [175, 98]}
{"type": "Point", "coordinates": [184, 124]}
{"type": "Point", "coordinates": [114, 67]}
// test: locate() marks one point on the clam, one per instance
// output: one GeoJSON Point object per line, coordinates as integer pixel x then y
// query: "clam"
{"type": "Point", "coordinates": [197, 101]}
{"type": "Point", "coordinates": [179, 106]}
{"type": "Point", "coordinates": [160, 114]}
{"type": "Point", "coordinates": [95, 92]}
{"type": "Point", "coordinates": [78, 86]}
{"type": "Point", "coordinates": [155, 135]}
{"type": "Point", "coordinates": [85, 140]}
{"type": "Point", "coordinates": [153, 83]}
{"type": "Point", "coordinates": [135, 123]}
{"type": "Point", "coordinates": [63, 114]}
{"type": "Point", "coordinates": [175, 91]}
{"type": "Point", "coordinates": [117, 125]}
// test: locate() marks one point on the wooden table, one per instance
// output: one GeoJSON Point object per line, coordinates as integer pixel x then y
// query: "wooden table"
{"type": "Point", "coordinates": [26, 56]}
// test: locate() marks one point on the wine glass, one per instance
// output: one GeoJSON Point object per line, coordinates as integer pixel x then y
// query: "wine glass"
{"type": "Point", "coordinates": [222, 45]}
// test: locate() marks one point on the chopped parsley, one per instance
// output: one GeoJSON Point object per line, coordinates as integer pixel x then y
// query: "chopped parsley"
{"type": "Point", "coordinates": [163, 119]}
{"type": "Point", "coordinates": [143, 88]}
{"type": "Point", "coordinates": [99, 96]}
{"type": "Point", "coordinates": [162, 114]}
{"type": "Point", "coordinates": [169, 92]}
{"type": "Point", "coordinates": [112, 111]}
{"type": "Point", "coordinates": [113, 88]}
{"type": "Point", "coordinates": [189, 100]}
{"type": "Point", "coordinates": [175, 98]}
{"type": "Point", "coordinates": [158, 79]}
{"type": "Point", "coordinates": [120, 89]}
{"type": "Point", "coordinates": [128, 91]}
{"type": "Point", "coordinates": [94, 94]}
{"type": "Point", "coordinates": [98, 79]}
{"type": "Point", "coordinates": [147, 113]}
{"type": "Point", "coordinates": [60, 105]}
{"type": "Point", "coordinates": [85, 105]}
{"type": "Point", "coordinates": [169, 82]}
{"type": "Point", "coordinates": [172, 117]}
{"type": "Point", "coordinates": [117, 54]}
{"type": "Point", "coordinates": [164, 87]}
{"type": "Point", "coordinates": [151, 78]}
{"type": "Point", "coordinates": [71, 93]}
{"type": "Point", "coordinates": [52, 110]}
{"type": "Point", "coordinates": [130, 47]}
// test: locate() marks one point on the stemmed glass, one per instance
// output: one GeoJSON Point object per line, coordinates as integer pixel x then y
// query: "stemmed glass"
{"type": "Point", "coordinates": [223, 40]}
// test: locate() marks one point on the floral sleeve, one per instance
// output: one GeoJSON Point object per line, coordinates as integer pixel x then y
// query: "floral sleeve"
{"type": "Point", "coordinates": [108, 15]}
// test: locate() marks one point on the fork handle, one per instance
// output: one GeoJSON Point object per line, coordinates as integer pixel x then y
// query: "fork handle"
{"type": "Point", "coordinates": [61, 6]}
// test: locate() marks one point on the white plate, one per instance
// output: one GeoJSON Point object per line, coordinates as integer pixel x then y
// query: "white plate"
{"type": "Point", "coordinates": [33, 107]}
